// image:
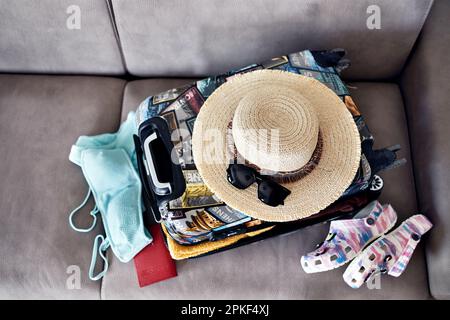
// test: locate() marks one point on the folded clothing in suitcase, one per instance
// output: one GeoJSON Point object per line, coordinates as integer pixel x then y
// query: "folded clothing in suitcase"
{"type": "Point", "coordinates": [174, 193]}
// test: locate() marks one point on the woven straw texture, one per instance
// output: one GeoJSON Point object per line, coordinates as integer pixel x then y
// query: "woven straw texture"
{"type": "Point", "coordinates": [287, 112]}
{"type": "Point", "coordinates": [299, 107]}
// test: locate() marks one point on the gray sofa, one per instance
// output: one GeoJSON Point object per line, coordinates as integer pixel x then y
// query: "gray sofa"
{"type": "Point", "coordinates": [58, 83]}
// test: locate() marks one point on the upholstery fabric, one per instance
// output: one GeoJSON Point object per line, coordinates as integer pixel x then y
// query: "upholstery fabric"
{"type": "Point", "coordinates": [204, 37]}
{"type": "Point", "coordinates": [426, 88]}
{"type": "Point", "coordinates": [40, 118]}
{"type": "Point", "coordinates": [270, 269]}
{"type": "Point", "coordinates": [34, 38]}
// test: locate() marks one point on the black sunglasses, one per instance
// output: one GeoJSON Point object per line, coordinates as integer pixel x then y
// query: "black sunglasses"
{"type": "Point", "coordinates": [269, 192]}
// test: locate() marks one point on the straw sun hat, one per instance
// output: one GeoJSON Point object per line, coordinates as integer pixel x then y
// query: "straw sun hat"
{"type": "Point", "coordinates": [287, 125]}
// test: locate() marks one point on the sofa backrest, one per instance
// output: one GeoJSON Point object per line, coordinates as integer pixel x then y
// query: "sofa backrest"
{"type": "Point", "coordinates": [201, 37]}
{"type": "Point", "coordinates": [58, 36]}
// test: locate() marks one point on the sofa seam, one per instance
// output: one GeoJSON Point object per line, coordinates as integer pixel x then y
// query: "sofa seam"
{"type": "Point", "coordinates": [413, 168]}
{"type": "Point", "coordinates": [405, 110]}
{"type": "Point", "coordinates": [112, 18]}
{"type": "Point", "coordinates": [124, 91]}
{"type": "Point", "coordinates": [416, 40]}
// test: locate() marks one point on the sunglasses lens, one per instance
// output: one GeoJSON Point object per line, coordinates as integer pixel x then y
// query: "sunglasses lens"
{"type": "Point", "coordinates": [240, 176]}
{"type": "Point", "coordinates": [272, 193]}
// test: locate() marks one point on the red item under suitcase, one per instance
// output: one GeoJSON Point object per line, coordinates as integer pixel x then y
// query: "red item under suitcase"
{"type": "Point", "coordinates": [154, 262]}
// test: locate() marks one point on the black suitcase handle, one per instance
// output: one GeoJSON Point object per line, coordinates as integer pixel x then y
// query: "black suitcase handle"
{"type": "Point", "coordinates": [161, 174]}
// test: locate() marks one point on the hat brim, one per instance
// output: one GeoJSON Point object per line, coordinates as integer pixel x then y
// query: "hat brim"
{"type": "Point", "coordinates": [339, 161]}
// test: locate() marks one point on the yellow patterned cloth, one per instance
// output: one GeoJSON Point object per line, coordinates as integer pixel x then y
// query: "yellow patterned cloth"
{"type": "Point", "coordinates": [180, 252]}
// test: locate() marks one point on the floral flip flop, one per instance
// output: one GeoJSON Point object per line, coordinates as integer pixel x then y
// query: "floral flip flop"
{"type": "Point", "coordinates": [390, 254]}
{"type": "Point", "coordinates": [347, 238]}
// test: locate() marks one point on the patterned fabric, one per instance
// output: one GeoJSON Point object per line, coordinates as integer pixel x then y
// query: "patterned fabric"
{"type": "Point", "coordinates": [347, 238]}
{"type": "Point", "coordinates": [389, 254]}
{"type": "Point", "coordinates": [186, 221]}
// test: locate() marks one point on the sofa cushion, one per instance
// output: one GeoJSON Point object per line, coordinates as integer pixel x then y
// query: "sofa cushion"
{"type": "Point", "coordinates": [271, 268]}
{"type": "Point", "coordinates": [40, 118]}
{"type": "Point", "coordinates": [426, 87]}
{"type": "Point", "coordinates": [35, 38]}
{"type": "Point", "coordinates": [198, 38]}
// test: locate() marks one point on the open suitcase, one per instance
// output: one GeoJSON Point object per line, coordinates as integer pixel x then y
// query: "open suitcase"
{"type": "Point", "coordinates": [173, 192]}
